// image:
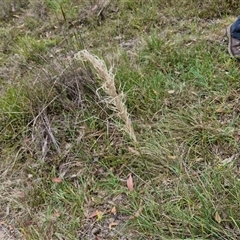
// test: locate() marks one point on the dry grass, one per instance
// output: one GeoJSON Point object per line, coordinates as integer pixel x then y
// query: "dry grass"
{"type": "Point", "coordinates": [114, 100]}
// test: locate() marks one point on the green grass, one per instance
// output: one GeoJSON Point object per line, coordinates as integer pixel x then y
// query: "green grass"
{"type": "Point", "coordinates": [181, 91]}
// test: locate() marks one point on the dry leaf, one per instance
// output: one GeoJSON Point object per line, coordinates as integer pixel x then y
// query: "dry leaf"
{"type": "Point", "coordinates": [137, 213]}
{"type": "Point", "coordinates": [130, 182]}
{"type": "Point", "coordinates": [56, 180]}
{"type": "Point", "coordinates": [99, 215]}
{"type": "Point", "coordinates": [98, 238]}
{"type": "Point", "coordinates": [217, 217]}
{"type": "Point", "coordinates": [57, 214]}
{"type": "Point", "coordinates": [171, 91]}
{"type": "Point", "coordinates": [112, 224]}
{"type": "Point", "coordinates": [113, 210]}
{"type": "Point", "coordinates": [94, 214]}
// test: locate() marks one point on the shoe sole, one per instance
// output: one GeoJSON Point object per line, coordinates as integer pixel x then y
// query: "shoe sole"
{"type": "Point", "coordinates": [229, 40]}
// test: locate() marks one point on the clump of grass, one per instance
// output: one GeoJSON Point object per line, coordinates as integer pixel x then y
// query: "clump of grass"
{"type": "Point", "coordinates": [15, 113]}
{"type": "Point", "coordinates": [32, 49]}
{"type": "Point", "coordinates": [114, 100]}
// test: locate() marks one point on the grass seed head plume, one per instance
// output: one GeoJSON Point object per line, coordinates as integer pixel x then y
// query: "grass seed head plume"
{"type": "Point", "coordinates": [115, 100]}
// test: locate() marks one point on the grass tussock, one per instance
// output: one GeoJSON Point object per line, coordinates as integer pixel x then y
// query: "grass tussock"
{"type": "Point", "coordinates": [114, 100]}
{"type": "Point", "coordinates": [66, 169]}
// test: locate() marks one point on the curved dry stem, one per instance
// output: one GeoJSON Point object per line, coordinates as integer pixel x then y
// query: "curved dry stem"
{"type": "Point", "coordinates": [115, 100]}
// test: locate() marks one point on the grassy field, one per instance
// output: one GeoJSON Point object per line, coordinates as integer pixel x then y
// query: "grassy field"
{"type": "Point", "coordinates": [119, 120]}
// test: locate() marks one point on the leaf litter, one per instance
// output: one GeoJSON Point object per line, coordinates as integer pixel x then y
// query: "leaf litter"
{"type": "Point", "coordinates": [130, 182]}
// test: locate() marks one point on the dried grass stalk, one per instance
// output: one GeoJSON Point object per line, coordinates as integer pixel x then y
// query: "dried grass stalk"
{"type": "Point", "coordinates": [108, 85]}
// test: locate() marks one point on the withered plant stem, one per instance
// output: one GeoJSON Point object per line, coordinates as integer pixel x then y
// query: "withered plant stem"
{"type": "Point", "coordinates": [115, 100]}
